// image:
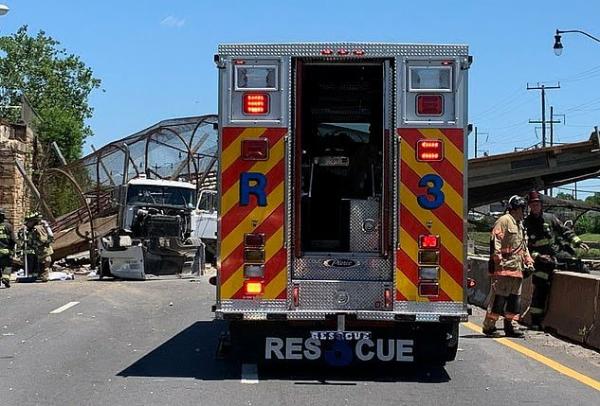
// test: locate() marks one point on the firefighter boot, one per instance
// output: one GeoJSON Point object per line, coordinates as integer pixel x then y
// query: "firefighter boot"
{"type": "Point", "coordinates": [511, 329]}
{"type": "Point", "coordinates": [6, 282]}
{"type": "Point", "coordinates": [489, 326]}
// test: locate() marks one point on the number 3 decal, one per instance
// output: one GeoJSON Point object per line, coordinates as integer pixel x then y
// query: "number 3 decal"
{"type": "Point", "coordinates": [434, 197]}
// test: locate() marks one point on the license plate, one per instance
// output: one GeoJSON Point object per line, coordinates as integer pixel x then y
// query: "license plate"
{"type": "Point", "coordinates": [331, 335]}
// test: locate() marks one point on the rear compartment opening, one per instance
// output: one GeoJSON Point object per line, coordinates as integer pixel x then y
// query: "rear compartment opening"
{"type": "Point", "coordinates": [340, 124]}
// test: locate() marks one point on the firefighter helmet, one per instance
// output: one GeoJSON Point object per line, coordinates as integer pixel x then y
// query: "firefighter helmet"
{"type": "Point", "coordinates": [34, 215]}
{"type": "Point", "coordinates": [516, 202]}
{"type": "Point", "coordinates": [533, 197]}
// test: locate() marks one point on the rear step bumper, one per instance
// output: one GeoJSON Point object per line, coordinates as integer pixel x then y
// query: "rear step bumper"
{"type": "Point", "coordinates": [393, 316]}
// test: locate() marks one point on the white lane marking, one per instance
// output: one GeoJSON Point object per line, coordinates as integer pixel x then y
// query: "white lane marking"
{"type": "Point", "coordinates": [249, 374]}
{"type": "Point", "coordinates": [65, 307]}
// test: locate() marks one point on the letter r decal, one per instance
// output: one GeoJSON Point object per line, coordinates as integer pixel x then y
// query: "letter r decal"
{"type": "Point", "coordinates": [253, 183]}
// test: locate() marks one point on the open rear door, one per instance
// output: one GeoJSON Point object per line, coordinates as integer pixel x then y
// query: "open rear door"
{"type": "Point", "coordinates": [342, 171]}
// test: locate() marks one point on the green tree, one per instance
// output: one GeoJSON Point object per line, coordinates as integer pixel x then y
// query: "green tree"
{"type": "Point", "coordinates": [593, 199]}
{"type": "Point", "coordinates": [57, 85]}
{"type": "Point", "coordinates": [565, 196]}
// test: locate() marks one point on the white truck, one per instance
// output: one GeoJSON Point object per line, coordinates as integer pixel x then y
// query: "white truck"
{"type": "Point", "coordinates": [154, 231]}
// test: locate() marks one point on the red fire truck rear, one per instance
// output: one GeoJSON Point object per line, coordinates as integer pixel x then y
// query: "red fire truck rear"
{"type": "Point", "coordinates": [342, 173]}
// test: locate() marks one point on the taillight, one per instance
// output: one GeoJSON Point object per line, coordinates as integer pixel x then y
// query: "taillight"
{"type": "Point", "coordinates": [254, 240]}
{"type": "Point", "coordinates": [296, 295]}
{"type": "Point", "coordinates": [255, 103]}
{"type": "Point", "coordinates": [429, 289]}
{"type": "Point", "coordinates": [430, 105]}
{"type": "Point", "coordinates": [431, 273]}
{"type": "Point", "coordinates": [387, 298]}
{"type": "Point", "coordinates": [255, 150]}
{"type": "Point", "coordinates": [254, 255]}
{"type": "Point", "coordinates": [428, 241]}
{"type": "Point", "coordinates": [253, 287]}
{"type": "Point", "coordinates": [430, 150]}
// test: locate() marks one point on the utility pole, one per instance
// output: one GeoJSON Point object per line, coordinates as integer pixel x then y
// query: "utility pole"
{"type": "Point", "coordinates": [475, 142]}
{"type": "Point", "coordinates": [543, 121]}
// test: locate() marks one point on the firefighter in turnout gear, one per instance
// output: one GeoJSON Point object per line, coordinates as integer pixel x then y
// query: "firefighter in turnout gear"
{"type": "Point", "coordinates": [7, 245]}
{"type": "Point", "coordinates": [551, 246]}
{"type": "Point", "coordinates": [36, 240]}
{"type": "Point", "coordinates": [509, 260]}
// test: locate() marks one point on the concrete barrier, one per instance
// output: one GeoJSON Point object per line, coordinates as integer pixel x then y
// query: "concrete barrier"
{"type": "Point", "coordinates": [478, 271]}
{"type": "Point", "coordinates": [479, 296]}
{"type": "Point", "coordinates": [573, 308]}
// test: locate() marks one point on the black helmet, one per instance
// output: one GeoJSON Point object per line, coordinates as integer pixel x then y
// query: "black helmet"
{"type": "Point", "coordinates": [516, 202]}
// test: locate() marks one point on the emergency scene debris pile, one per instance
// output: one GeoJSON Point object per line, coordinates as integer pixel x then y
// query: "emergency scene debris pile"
{"type": "Point", "coordinates": [333, 220]}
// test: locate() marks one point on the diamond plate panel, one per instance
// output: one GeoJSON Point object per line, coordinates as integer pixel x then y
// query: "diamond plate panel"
{"type": "Point", "coordinates": [364, 225]}
{"type": "Point", "coordinates": [370, 49]}
{"type": "Point", "coordinates": [444, 308]}
{"type": "Point", "coordinates": [254, 305]}
{"type": "Point", "coordinates": [341, 295]}
{"type": "Point", "coordinates": [367, 268]}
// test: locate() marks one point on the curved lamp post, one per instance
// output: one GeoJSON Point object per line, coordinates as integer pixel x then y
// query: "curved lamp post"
{"type": "Point", "coordinates": [558, 47]}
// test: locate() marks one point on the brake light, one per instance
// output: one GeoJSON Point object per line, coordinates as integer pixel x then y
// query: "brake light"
{"type": "Point", "coordinates": [430, 105]}
{"type": "Point", "coordinates": [430, 150]}
{"type": "Point", "coordinates": [429, 289]}
{"type": "Point", "coordinates": [428, 241]}
{"type": "Point", "coordinates": [255, 150]}
{"type": "Point", "coordinates": [255, 103]}
{"type": "Point", "coordinates": [253, 287]}
{"type": "Point", "coordinates": [254, 240]}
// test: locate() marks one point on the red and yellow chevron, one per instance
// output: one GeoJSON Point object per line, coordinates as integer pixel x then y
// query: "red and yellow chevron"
{"type": "Point", "coordinates": [447, 220]}
{"type": "Point", "coordinates": [236, 220]}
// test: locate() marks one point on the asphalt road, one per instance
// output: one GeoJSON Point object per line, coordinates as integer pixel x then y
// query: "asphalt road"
{"type": "Point", "coordinates": [153, 343]}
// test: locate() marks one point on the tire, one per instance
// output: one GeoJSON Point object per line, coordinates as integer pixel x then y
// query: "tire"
{"type": "Point", "coordinates": [452, 344]}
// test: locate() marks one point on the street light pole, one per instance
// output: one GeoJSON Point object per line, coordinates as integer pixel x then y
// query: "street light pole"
{"type": "Point", "coordinates": [558, 47]}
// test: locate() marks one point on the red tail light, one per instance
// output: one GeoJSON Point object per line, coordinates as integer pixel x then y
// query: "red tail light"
{"type": "Point", "coordinates": [428, 241]}
{"type": "Point", "coordinates": [255, 103]}
{"type": "Point", "coordinates": [429, 289]}
{"type": "Point", "coordinates": [296, 295]}
{"type": "Point", "coordinates": [430, 105]}
{"type": "Point", "coordinates": [253, 287]}
{"type": "Point", "coordinates": [254, 240]}
{"type": "Point", "coordinates": [430, 150]}
{"type": "Point", "coordinates": [387, 296]}
{"type": "Point", "coordinates": [255, 150]}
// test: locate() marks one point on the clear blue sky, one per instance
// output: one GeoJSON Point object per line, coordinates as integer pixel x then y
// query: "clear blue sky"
{"type": "Point", "coordinates": [155, 57]}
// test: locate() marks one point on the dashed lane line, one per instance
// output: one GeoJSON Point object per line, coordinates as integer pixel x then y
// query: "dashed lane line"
{"type": "Point", "coordinates": [249, 374]}
{"type": "Point", "coordinates": [65, 307]}
{"type": "Point", "coordinates": [571, 373]}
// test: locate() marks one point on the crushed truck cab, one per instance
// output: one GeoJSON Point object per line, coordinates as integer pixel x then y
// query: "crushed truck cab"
{"type": "Point", "coordinates": [342, 176]}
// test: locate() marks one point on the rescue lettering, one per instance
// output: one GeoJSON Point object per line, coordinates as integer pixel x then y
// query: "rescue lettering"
{"type": "Point", "coordinates": [253, 183]}
{"type": "Point", "coordinates": [296, 348]}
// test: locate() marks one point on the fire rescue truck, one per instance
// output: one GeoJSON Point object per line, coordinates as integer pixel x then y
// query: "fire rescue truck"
{"type": "Point", "coordinates": [342, 176]}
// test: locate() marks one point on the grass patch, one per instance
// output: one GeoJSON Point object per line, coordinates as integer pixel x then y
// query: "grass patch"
{"type": "Point", "coordinates": [590, 237]}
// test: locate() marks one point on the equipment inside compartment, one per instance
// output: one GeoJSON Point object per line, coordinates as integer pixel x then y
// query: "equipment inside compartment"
{"type": "Point", "coordinates": [341, 130]}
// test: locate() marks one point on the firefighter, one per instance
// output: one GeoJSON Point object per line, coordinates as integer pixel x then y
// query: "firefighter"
{"type": "Point", "coordinates": [550, 244]}
{"type": "Point", "coordinates": [7, 245]}
{"type": "Point", "coordinates": [36, 239]}
{"type": "Point", "coordinates": [509, 259]}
